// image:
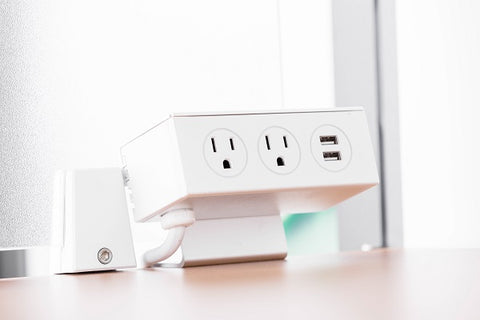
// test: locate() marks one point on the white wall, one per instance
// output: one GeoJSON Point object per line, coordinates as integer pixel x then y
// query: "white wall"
{"type": "Point", "coordinates": [439, 85]}
{"type": "Point", "coordinates": [80, 78]}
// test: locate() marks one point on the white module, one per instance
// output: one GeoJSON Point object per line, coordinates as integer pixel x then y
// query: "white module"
{"type": "Point", "coordinates": [92, 227]}
{"type": "Point", "coordinates": [239, 171]}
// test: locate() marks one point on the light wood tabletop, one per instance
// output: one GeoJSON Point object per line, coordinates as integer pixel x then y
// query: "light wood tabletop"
{"type": "Point", "coordinates": [380, 284]}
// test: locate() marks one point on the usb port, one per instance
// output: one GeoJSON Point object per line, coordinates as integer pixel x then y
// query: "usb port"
{"type": "Point", "coordinates": [332, 156]}
{"type": "Point", "coordinates": [328, 140]}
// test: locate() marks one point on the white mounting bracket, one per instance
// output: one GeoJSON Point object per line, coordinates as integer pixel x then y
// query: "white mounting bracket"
{"type": "Point", "coordinates": [216, 241]}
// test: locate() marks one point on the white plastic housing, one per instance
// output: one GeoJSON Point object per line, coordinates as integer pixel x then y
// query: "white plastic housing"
{"type": "Point", "coordinates": [91, 214]}
{"type": "Point", "coordinates": [174, 165]}
{"type": "Point", "coordinates": [167, 167]}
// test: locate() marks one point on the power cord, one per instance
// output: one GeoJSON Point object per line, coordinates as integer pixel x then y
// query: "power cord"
{"type": "Point", "coordinates": [176, 221]}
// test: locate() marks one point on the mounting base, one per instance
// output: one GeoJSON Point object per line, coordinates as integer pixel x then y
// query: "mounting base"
{"type": "Point", "coordinates": [92, 227]}
{"type": "Point", "coordinates": [216, 241]}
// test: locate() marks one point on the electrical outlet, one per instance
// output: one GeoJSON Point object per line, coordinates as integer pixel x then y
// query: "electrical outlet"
{"type": "Point", "coordinates": [182, 160]}
{"type": "Point", "coordinates": [331, 148]}
{"type": "Point", "coordinates": [225, 152]}
{"type": "Point", "coordinates": [279, 150]}
{"type": "Point", "coordinates": [239, 171]}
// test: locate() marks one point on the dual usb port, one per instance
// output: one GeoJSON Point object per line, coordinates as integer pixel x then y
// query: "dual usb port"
{"type": "Point", "coordinates": [330, 155]}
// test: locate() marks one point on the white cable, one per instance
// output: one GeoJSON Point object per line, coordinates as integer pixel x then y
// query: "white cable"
{"type": "Point", "coordinates": [169, 246]}
{"type": "Point", "coordinates": [176, 221]}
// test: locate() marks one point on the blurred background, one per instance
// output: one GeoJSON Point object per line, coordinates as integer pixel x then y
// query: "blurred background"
{"type": "Point", "coordinates": [80, 78]}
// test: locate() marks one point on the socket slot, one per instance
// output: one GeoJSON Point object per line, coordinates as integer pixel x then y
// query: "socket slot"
{"type": "Point", "coordinates": [226, 164]}
{"type": "Point", "coordinates": [214, 148]}
{"type": "Point", "coordinates": [267, 141]}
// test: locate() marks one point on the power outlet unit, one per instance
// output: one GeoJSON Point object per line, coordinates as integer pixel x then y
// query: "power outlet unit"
{"type": "Point", "coordinates": [239, 171]}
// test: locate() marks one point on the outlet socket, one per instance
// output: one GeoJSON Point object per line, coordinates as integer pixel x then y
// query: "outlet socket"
{"type": "Point", "coordinates": [225, 152]}
{"type": "Point", "coordinates": [331, 148]}
{"type": "Point", "coordinates": [279, 150]}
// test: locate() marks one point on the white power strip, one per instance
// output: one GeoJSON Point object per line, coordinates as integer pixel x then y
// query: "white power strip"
{"type": "Point", "coordinates": [237, 172]}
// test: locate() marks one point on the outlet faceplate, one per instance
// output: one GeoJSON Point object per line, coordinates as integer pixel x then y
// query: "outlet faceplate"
{"type": "Point", "coordinates": [331, 148]}
{"type": "Point", "coordinates": [225, 152]}
{"type": "Point", "coordinates": [279, 150]}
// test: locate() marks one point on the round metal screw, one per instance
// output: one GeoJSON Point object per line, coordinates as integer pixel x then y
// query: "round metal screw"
{"type": "Point", "coordinates": [104, 255]}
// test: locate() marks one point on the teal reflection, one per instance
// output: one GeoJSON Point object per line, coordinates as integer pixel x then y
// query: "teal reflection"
{"type": "Point", "coordinates": [311, 233]}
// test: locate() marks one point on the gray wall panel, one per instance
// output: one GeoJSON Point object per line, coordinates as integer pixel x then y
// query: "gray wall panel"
{"type": "Point", "coordinates": [360, 218]}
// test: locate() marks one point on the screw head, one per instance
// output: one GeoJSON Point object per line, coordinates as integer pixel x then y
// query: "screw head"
{"type": "Point", "coordinates": [104, 255]}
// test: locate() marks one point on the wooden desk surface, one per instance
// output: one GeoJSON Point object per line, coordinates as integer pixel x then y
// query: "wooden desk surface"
{"type": "Point", "coordinates": [381, 284]}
